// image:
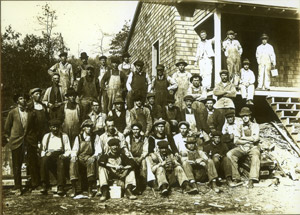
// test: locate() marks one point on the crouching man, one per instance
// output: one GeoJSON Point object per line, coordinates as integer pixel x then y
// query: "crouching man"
{"type": "Point", "coordinates": [115, 165]}
{"type": "Point", "coordinates": [83, 156]}
{"type": "Point", "coordinates": [55, 149]}
{"type": "Point", "coordinates": [168, 171]}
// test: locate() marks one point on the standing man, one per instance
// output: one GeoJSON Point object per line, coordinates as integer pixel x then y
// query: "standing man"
{"type": "Point", "coordinates": [20, 131]}
{"type": "Point", "coordinates": [266, 60]}
{"type": "Point", "coordinates": [182, 78]}
{"type": "Point", "coordinates": [64, 69]}
{"type": "Point", "coordinates": [233, 51]}
{"type": "Point", "coordinates": [247, 83]}
{"type": "Point", "coordinates": [247, 141]}
{"type": "Point", "coordinates": [125, 66]}
{"type": "Point", "coordinates": [138, 84]}
{"type": "Point", "coordinates": [102, 70]}
{"type": "Point", "coordinates": [204, 57]}
{"type": "Point", "coordinates": [82, 69]}
{"type": "Point", "coordinates": [163, 85]}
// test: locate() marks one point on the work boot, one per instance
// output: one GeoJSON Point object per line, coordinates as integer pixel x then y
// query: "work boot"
{"type": "Point", "coordinates": [60, 190]}
{"type": "Point", "coordinates": [164, 189]}
{"type": "Point", "coordinates": [129, 194]}
{"type": "Point", "coordinates": [215, 187]}
{"type": "Point", "coordinates": [250, 184]}
{"type": "Point", "coordinates": [230, 182]}
{"type": "Point", "coordinates": [104, 191]}
{"type": "Point", "coordinates": [195, 187]}
{"type": "Point", "coordinates": [73, 193]}
{"type": "Point", "coordinates": [98, 192]}
{"type": "Point", "coordinates": [90, 189]}
{"type": "Point", "coordinates": [188, 189]}
{"type": "Point", "coordinates": [44, 190]}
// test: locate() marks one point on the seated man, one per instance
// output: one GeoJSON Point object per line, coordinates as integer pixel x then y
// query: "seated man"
{"type": "Point", "coordinates": [167, 170]}
{"type": "Point", "coordinates": [116, 165]}
{"type": "Point", "coordinates": [198, 92]}
{"type": "Point", "coordinates": [98, 118]}
{"type": "Point", "coordinates": [83, 156]}
{"type": "Point", "coordinates": [155, 109]}
{"type": "Point", "coordinates": [191, 115]}
{"type": "Point", "coordinates": [247, 141]}
{"type": "Point", "coordinates": [247, 83]}
{"type": "Point", "coordinates": [216, 151]}
{"type": "Point", "coordinates": [171, 114]}
{"type": "Point", "coordinates": [55, 148]}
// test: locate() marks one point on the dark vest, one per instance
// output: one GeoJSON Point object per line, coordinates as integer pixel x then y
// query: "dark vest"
{"type": "Point", "coordinates": [55, 96]}
{"type": "Point", "coordinates": [139, 82]}
{"type": "Point", "coordinates": [89, 88]}
{"type": "Point", "coordinates": [120, 122]}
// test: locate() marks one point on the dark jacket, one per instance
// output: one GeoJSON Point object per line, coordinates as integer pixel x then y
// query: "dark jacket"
{"type": "Point", "coordinates": [218, 120]}
{"type": "Point", "coordinates": [212, 149]}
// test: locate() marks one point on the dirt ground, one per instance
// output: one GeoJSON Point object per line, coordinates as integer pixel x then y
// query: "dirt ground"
{"type": "Point", "coordinates": [262, 199]}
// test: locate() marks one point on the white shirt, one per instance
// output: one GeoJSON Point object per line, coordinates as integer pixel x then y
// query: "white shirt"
{"type": "Point", "coordinates": [232, 128]}
{"type": "Point", "coordinates": [55, 144]}
{"type": "Point", "coordinates": [180, 142]}
{"type": "Point", "coordinates": [247, 76]}
{"type": "Point", "coordinates": [265, 52]}
{"type": "Point", "coordinates": [204, 49]}
{"type": "Point", "coordinates": [199, 93]}
{"type": "Point", "coordinates": [24, 117]}
{"type": "Point", "coordinates": [98, 119]}
{"type": "Point", "coordinates": [229, 45]}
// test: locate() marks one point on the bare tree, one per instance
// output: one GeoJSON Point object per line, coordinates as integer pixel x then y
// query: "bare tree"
{"type": "Point", "coordinates": [100, 45]}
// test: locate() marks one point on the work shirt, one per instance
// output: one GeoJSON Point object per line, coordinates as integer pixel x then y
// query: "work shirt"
{"type": "Point", "coordinates": [23, 116]}
{"type": "Point", "coordinates": [247, 76]}
{"type": "Point", "coordinates": [205, 49]}
{"type": "Point", "coordinates": [98, 120]}
{"type": "Point", "coordinates": [221, 87]}
{"type": "Point", "coordinates": [232, 128]}
{"type": "Point", "coordinates": [76, 146]}
{"type": "Point", "coordinates": [250, 130]}
{"type": "Point", "coordinates": [229, 45]}
{"type": "Point", "coordinates": [130, 78]}
{"type": "Point", "coordinates": [264, 52]}
{"type": "Point", "coordinates": [56, 143]}
{"type": "Point", "coordinates": [199, 93]}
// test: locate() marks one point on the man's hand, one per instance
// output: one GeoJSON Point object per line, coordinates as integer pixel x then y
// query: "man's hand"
{"type": "Point", "coordinates": [73, 159]}
{"type": "Point", "coordinates": [218, 156]}
{"type": "Point", "coordinates": [48, 154]}
{"type": "Point", "coordinates": [91, 160]}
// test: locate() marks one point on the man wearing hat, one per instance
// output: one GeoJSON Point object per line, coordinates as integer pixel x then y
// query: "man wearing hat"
{"type": "Point", "coordinates": [204, 56]}
{"type": "Point", "coordinates": [98, 118]}
{"type": "Point", "coordinates": [168, 170]}
{"type": "Point", "coordinates": [83, 156]}
{"type": "Point", "coordinates": [207, 115]}
{"type": "Point", "coordinates": [230, 128]}
{"type": "Point", "coordinates": [88, 90]}
{"type": "Point", "coordinates": [191, 115]}
{"type": "Point", "coordinates": [20, 131]}
{"type": "Point", "coordinates": [155, 109]}
{"type": "Point", "coordinates": [233, 51]}
{"type": "Point", "coordinates": [138, 84]}
{"type": "Point", "coordinates": [162, 85]}
{"type": "Point", "coordinates": [216, 150]}
{"type": "Point", "coordinates": [182, 79]}
{"type": "Point", "coordinates": [138, 148]}
{"type": "Point", "coordinates": [247, 141]}
{"type": "Point", "coordinates": [82, 69]}
{"type": "Point", "coordinates": [120, 116]}
{"type": "Point", "coordinates": [54, 98]}
{"type": "Point", "coordinates": [198, 92]}
{"type": "Point", "coordinates": [64, 69]}
{"type": "Point", "coordinates": [247, 83]}
{"type": "Point", "coordinates": [72, 113]}
{"type": "Point", "coordinates": [116, 166]}
{"type": "Point", "coordinates": [141, 114]}
{"type": "Point", "coordinates": [55, 149]}
{"type": "Point", "coordinates": [112, 84]}
{"type": "Point", "coordinates": [266, 60]}
{"type": "Point", "coordinates": [172, 114]}
{"type": "Point", "coordinates": [125, 66]}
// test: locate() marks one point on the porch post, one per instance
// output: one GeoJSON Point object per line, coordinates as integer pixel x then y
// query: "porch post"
{"type": "Point", "coordinates": [218, 51]}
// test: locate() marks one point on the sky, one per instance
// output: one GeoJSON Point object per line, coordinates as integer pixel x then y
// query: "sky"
{"type": "Point", "coordinates": [78, 21]}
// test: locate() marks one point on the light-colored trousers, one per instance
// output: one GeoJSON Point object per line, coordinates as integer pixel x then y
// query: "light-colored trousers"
{"type": "Point", "coordinates": [206, 66]}
{"type": "Point", "coordinates": [247, 92]}
{"type": "Point", "coordinates": [264, 79]}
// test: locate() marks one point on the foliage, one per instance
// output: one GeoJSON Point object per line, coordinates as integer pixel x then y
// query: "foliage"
{"type": "Point", "coordinates": [118, 42]}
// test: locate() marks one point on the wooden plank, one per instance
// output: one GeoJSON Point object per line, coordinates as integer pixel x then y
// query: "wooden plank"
{"type": "Point", "coordinates": [218, 51]}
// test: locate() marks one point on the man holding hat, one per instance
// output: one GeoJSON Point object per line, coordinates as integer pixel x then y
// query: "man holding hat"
{"type": "Point", "coordinates": [82, 69]}
{"type": "Point", "coordinates": [117, 166]}
{"type": "Point", "coordinates": [168, 170]}
{"type": "Point", "coordinates": [233, 51]}
{"type": "Point", "coordinates": [112, 84]}
{"type": "Point", "coordinates": [247, 83]}
{"type": "Point", "coordinates": [163, 85]}
{"type": "Point", "coordinates": [155, 109]}
{"type": "Point", "coordinates": [20, 131]}
{"type": "Point", "coordinates": [141, 114]}
{"type": "Point", "coordinates": [64, 69]}
{"type": "Point", "coordinates": [204, 56]}
{"type": "Point", "coordinates": [266, 60]}
{"type": "Point", "coordinates": [83, 156]}
{"type": "Point", "coordinates": [55, 149]}
{"type": "Point", "coordinates": [247, 141]}
{"type": "Point", "coordinates": [138, 84]}
{"type": "Point", "coordinates": [182, 79]}
{"type": "Point", "coordinates": [198, 92]}
{"type": "Point", "coordinates": [230, 128]}
{"type": "Point", "coordinates": [120, 116]}
{"type": "Point", "coordinates": [88, 90]}
{"type": "Point", "coordinates": [98, 118]}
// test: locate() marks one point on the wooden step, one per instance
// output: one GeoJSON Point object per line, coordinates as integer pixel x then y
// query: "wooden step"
{"type": "Point", "coordinates": [289, 119]}
{"type": "Point", "coordinates": [287, 112]}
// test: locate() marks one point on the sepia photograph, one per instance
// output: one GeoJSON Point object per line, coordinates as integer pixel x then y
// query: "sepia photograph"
{"type": "Point", "coordinates": [150, 107]}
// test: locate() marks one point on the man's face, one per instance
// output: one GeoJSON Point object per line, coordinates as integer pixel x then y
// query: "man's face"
{"type": "Point", "coordinates": [84, 60]}
{"type": "Point", "coordinates": [264, 41]}
{"type": "Point", "coordinates": [63, 59]}
{"type": "Point", "coordinates": [55, 79]}
{"type": "Point", "coordinates": [191, 146]}
{"type": "Point", "coordinates": [196, 82]}
{"type": "Point", "coordinates": [138, 68]}
{"type": "Point", "coordinates": [216, 139]}
{"type": "Point", "coordinates": [163, 150]}
{"type": "Point", "coordinates": [231, 36]}
{"type": "Point", "coordinates": [36, 96]}
{"type": "Point", "coordinates": [160, 72]}
{"type": "Point", "coordinates": [136, 131]}
{"type": "Point", "coordinates": [102, 61]}
{"type": "Point", "coordinates": [203, 36]}
{"type": "Point", "coordinates": [171, 104]}
{"type": "Point", "coordinates": [71, 98]}
{"type": "Point", "coordinates": [110, 126]}
{"type": "Point", "coordinates": [54, 129]}
{"type": "Point", "coordinates": [138, 103]}
{"type": "Point", "coordinates": [230, 120]}
{"type": "Point", "coordinates": [246, 118]}
{"type": "Point", "coordinates": [114, 65]}
{"type": "Point", "coordinates": [246, 66]}
{"type": "Point", "coordinates": [126, 59]}
{"type": "Point", "coordinates": [188, 103]}
{"type": "Point", "coordinates": [160, 128]}
{"type": "Point", "coordinates": [90, 72]}
{"type": "Point", "coordinates": [183, 129]}
{"type": "Point", "coordinates": [181, 67]}
{"type": "Point", "coordinates": [96, 107]}
{"type": "Point", "coordinates": [21, 101]}
{"type": "Point", "coordinates": [209, 105]}
{"type": "Point", "coordinates": [119, 106]}
{"type": "Point", "coordinates": [87, 130]}
{"type": "Point", "coordinates": [224, 77]}
{"type": "Point", "coordinates": [151, 100]}
{"type": "Point", "coordinates": [114, 149]}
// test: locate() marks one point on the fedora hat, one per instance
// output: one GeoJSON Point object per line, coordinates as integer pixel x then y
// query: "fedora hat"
{"type": "Point", "coordinates": [224, 71]}
{"type": "Point", "coordinates": [188, 97]}
{"type": "Point", "coordinates": [159, 122]}
{"type": "Point", "coordinates": [184, 123]}
{"type": "Point", "coordinates": [55, 122]}
{"type": "Point", "coordinates": [139, 125]}
{"type": "Point", "coordinates": [83, 55]}
{"type": "Point", "coordinates": [209, 99]}
{"type": "Point", "coordinates": [103, 57]}
{"type": "Point", "coordinates": [195, 76]}
{"type": "Point", "coordinates": [231, 32]}
{"type": "Point", "coordinates": [264, 36]}
{"type": "Point", "coordinates": [245, 111]}
{"type": "Point", "coordinates": [246, 61]}
{"type": "Point", "coordinates": [181, 61]}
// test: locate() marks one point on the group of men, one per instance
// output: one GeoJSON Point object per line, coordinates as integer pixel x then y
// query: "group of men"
{"type": "Point", "coordinates": [120, 127]}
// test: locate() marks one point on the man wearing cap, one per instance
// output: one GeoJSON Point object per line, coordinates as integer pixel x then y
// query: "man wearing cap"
{"type": "Point", "coordinates": [64, 69]}
{"type": "Point", "coordinates": [141, 114]}
{"type": "Point", "coordinates": [225, 88]}
{"type": "Point", "coordinates": [168, 170]}
{"type": "Point", "coordinates": [55, 149]}
{"type": "Point", "coordinates": [182, 79]}
{"type": "Point", "coordinates": [162, 85]}
{"type": "Point", "coordinates": [72, 113]}
{"type": "Point", "coordinates": [204, 56]}
{"type": "Point", "coordinates": [83, 156]}
{"type": "Point", "coordinates": [216, 151]}
{"type": "Point", "coordinates": [88, 90]}
{"type": "Point", "coordinates": [247, 141]}
{"type": "Point", "coordinates": [230, 128]}
{"type": "Point", "coordinates": [54, 98]}
{"type": "Point", "coordinates": [138, 148]}
{"type": "Point", "coordinates": [112, 84]}
{"type": "Point", "coordinates": [138, 84]}
{"type": "Point", "coordinates": [155, 109]}
{"type": "Point", "coordinates": [172, 114]}
{"type": "Point", "coordinates": [266, 60]}
{"type": "Point", "coordinates": [198, 92]}
{"type": "Point", "coordinates": [82, 69]}
{"type": "Point", "coordinates": [20, 131]}
{"type": "Point", "coordinates": [120, 116]}
{"type": "Point", "coordinates": [98, 118]}
{"type": "Point", "coordinates": [247, 83]}
{"type": "Point", "coordinates": [116, 165]}
{"type": "Point", "coordinates": [233, 51]}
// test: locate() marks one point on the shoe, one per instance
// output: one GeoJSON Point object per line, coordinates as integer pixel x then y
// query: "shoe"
{"type": "Point", "coordinates": [129, 194]}
{"type": "Point", "coordinates": [44, 190]}
{"type": "Point", "coordinates": [104, 191]}
{"type": "Point", "coordinates": [215, 187]}
{"type": "Point", "coordinates": [194, 188]}
{"type": "Point", "coordinates": [188, 189]}
{"type": "Point", "coordinates": [250, 102]}
{"type": "Point", "coordinates": [250, 184]}
{"type": "Point", "coordinates": [230, 182]}
{"type": "Point", "coordinates": [164, 189]}
{"type": "Point", "coordinates": [98, 192]}
{"type": "Point", "coordinates": [268, 89]}
{"type": "Point", "coordinates": [90, 192]}
{"type": "Point", "coordinates": [60, 191]}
